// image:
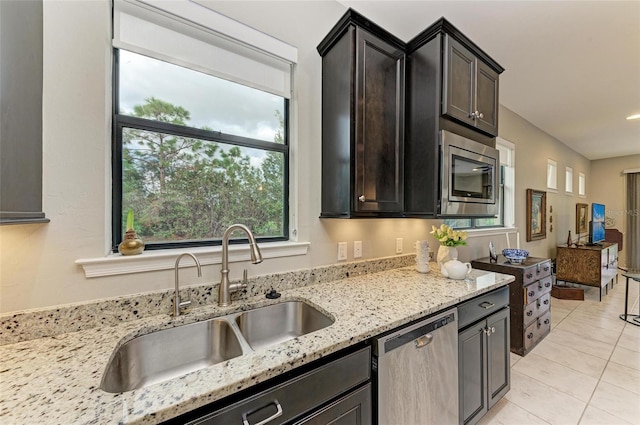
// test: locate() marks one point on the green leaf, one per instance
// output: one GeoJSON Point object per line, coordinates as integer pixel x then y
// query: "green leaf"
{"type": "Point", "coordinates": [130, 219]}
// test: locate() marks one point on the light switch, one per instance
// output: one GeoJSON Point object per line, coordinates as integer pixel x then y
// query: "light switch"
{"type": "Point", "coordinates": [342, 251]}
{"type": "Point", "coordinates": [357, 249]}
{"type": "Point", "coordinates": [398, 245]}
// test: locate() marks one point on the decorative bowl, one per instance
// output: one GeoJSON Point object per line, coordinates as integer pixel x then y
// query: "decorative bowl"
{"type": "Point", "coordinates": [514, 255]}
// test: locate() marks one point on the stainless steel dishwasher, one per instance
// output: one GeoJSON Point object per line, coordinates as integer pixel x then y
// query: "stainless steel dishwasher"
{"type": "Point", "coordinates": [415, 373]}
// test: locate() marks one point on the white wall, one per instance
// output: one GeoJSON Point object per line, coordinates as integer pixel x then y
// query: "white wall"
{"type": "Point", "coordinates": [37, 261]}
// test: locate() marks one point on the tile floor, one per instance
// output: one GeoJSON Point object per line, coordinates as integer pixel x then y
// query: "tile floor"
{"type": "Point", "coordinates": [586, 371]}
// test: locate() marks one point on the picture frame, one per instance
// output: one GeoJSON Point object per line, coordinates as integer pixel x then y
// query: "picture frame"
{"type": "Point", "coordinates": [536, 215]}
{"type": "Point", "coordinates": [582, 218]}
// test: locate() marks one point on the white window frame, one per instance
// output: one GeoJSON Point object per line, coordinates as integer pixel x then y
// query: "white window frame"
{"type": "Point", "coordinates": [164, 259]}
{"type": "Point", "coordinates": [568, 180]}
{"type": "Point", "coordinates": [582, 185]}
{"type": "Point", "coordinates": [552, 175]}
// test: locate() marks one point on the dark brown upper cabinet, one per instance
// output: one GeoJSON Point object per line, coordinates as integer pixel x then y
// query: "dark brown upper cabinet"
{"type": "Point", "coordinates": [21, 112]}
{"type": "Point", "coordinates": [470, 88]}
{"type": "Point", "coordinates": [449, 78]}
{"type": "Point", "coordinates": [363, 74]}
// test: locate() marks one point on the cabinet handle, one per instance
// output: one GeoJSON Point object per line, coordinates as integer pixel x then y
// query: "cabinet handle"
{"type": "Point", "coordinates": [490, 330]}
{"type": "Point", "coordinates": [530, 335]}
{"type": "Point", "coordinates": [531, 293]}
{"type": "Point", "coordinates": [546, 302]}
{"type": "Point", "coordinates": [529, 275]}
{"type": "Point", "coordinates": [546, 321]}
{"type": "Point", "coordinates": [245, 419]}
{"type": "Point", "coordinates": [487, 305]}
{"type": "Point", "coordinates": [546, 269]}
{"type": "Point", "coordinates": [546, 285]}
{"type": "Point", "coordinates": [530, 313]}
{"type": "Point", "coordinates": [477, 114]}
{"type": "Point", "coordinates": [361, 198]}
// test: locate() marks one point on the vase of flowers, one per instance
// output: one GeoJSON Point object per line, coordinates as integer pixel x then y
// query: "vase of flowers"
{"type": "Point", "coordinates": [449, 239]}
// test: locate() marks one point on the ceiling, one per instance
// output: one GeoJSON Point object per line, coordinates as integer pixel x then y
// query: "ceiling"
{"type": "Point", "coordinates": [572, 67]}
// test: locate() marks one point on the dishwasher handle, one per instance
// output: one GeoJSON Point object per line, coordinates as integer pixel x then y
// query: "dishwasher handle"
{"type": "Point", "coordinates": [424, 340]}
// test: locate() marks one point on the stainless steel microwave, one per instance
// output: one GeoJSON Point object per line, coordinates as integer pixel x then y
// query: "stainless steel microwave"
{"type": "Point", "coordinates": [469, 177]}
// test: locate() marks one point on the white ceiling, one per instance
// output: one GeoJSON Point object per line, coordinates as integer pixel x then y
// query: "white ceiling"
{"type": "Point", "coordinates": [572, 67]}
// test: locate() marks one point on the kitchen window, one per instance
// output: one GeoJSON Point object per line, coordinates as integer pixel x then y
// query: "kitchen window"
{"type": "Point", "coordinates": [200, 139]}
{"type": "Point", "coordinates": [506, 212]}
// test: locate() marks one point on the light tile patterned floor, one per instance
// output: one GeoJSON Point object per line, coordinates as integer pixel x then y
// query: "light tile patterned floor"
{"type": "Point", "coordinates": [586, 371]}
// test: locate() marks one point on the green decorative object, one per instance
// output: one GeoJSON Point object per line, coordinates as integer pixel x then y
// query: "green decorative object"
{"type": "Point", "coordinates": [131, 244]}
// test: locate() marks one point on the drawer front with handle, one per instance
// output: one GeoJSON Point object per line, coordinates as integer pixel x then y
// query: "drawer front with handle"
{"type": "Point", "coordinates": [537, 289]}
{"type": "Point", "coordinates": [288, 400]}
{"type": "Point", "coordinates": [537, 330]}
{"type": "Point", "coordinates": [534, 309]}
{"type": "Point", "coordinates": [536, 272]}
{"type": "Point", "coordinates": [475, 309]}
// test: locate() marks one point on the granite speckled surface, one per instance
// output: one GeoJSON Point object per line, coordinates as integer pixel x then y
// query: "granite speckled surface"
{"type": "Point", "coordinates": [26, 325]}
{"type": "Point", "coordinates": [56, 379]}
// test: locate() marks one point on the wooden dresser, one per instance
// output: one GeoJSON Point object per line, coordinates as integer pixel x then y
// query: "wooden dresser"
{"type": "Point", "coordinates": [529, 299]}
{"type": "Point", "coordinates": [588, 265]}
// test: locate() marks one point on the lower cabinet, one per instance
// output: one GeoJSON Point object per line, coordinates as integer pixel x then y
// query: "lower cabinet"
{"type": "Point", "coordinates": [483, 362]}
{"type": "Point", "coordinates": [334, 392]}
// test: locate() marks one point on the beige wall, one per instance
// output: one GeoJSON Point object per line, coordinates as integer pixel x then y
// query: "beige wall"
{"type": "Point", "coordinates": [609, 188]}
{"type": "Point", "coordinates": [38, 261]}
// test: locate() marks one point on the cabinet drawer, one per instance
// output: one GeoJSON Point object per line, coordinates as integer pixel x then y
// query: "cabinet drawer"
{"type": "Point", "coordinates": [298, 395]}
{"type": "Point", "coordinates": [537, 289]}
{"type": "Point", "coordinates": [482, 306]}
{"type": "Point", "coordinates": [537, 307]}
{"type": "Point", "coordinates": [536, 272]}
{"type": "Point", "coordinates": [537, 330]}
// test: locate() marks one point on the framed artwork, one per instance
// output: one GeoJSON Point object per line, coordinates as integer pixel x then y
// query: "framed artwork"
{"type": "Point", "coordinates": [536, 215]}
{"type": "Point", "coordinates": [581, 218]}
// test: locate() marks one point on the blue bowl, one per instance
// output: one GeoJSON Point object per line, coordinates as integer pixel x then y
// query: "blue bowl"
{"type": "Point", "coordinates": [514, 255]}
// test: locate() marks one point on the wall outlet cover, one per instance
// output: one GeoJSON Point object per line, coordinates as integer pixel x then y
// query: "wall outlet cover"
{"type": "Point", "coordinates": [342, 251]}
{"type": "Point", "coordinates": [357, 249]}
{"type": "Point", "coordinates": [398, 245]}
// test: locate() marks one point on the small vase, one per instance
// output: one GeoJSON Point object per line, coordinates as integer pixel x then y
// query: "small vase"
{"type": "Point", "coordinates": [446, 253]}
{"type": "Point", "coordinates": [131, 245]}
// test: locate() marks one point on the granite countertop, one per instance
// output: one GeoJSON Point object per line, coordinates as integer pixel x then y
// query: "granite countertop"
{"type": "Point", "coordinates": [56, 379]}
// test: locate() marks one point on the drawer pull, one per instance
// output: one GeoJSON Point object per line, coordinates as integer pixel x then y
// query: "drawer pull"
{"type": "Point", "coordinates": [546, 302]}
{"type": "Point", "coordinates": [546, 269]}
{"type": "Point", "coordinates": [487, 305]}
{"type": "Point", "coordinates": [529, 313]}
{"type": "Point", "coordinates": [245, 419]}
{"type": "Point", "coordinates": [531, 293]}
{"type": "Point", "coordinates": [546, 321]}
{"type": "Point", "coordinates": [530, 335]}
{"type": "Point", "coordinates": [529, 275]}
{"type": "Point", "coordinates": [489, 330]}
{"type": "Point", "coordinates": [548, 284]}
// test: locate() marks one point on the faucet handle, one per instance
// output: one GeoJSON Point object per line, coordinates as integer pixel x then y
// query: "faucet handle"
{"type": "Point", "coordinates": [245, 280]}
{"type": "Point", "coordinates": [184, 304]}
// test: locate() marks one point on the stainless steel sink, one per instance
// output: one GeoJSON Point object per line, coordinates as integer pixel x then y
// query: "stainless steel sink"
{"type": "Point", "coordinates": [170, 353]}
{"type": "Point", "coordinates": [280, 322]}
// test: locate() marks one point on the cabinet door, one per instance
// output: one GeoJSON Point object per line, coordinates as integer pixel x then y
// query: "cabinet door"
{"type": "Point", "coordinates": [498, 362]}
{"type": "Point", "coordinates": [379, 137]}
{"type": "Point", "coordinates": [353, 409]}
{"type": "Point", "coordinates": [472, 373]}
{"type": "Point", "coordinates": [486, 99]}
{"type": "Point", "coordinates": [459, 82]}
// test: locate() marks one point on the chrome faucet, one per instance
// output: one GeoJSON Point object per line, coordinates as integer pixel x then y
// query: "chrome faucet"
{"type": "Point", "coordinates": [177, 304]}
{"type": "Point", "coordinates": [226, 288]}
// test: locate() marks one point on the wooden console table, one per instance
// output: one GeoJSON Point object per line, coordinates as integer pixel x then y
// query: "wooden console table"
{"type": "Point", "coordinates": [588, 265]}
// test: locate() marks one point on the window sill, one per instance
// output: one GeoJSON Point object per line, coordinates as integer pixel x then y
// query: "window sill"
{"type": "Point", "coordinates": [494, 231]}
{"type": "Point", "coordinates": [116, 264]}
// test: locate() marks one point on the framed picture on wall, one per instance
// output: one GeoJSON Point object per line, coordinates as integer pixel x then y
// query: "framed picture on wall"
{"type": "Point", "coordinates": [536, 215]}
{"type": "Point", "coordinates": [582, 218]}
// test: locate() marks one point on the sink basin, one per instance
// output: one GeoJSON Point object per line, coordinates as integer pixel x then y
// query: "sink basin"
{"type": "Point", "coordinates": [170, 353]}
{"type": "Point", "coordinates": [280, 322]}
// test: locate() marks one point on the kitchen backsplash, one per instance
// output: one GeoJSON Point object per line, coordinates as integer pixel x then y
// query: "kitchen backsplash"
{"type": "Point", "coordinates": [32, 324]}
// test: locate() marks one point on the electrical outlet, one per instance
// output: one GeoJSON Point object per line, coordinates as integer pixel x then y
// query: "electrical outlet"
{"type": "Point", "coordinates": [432, 256]}
{"type": "Point", "coordinates": [357, 249]}
{"type": "Point", "coordinates": [342, 251]}
{"type": "Point", "coordinates": [398, 245]}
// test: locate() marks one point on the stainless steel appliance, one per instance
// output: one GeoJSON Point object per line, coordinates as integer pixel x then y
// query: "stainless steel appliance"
{"type": "Point", "coordinates": [469, 174]}
{"type": "Point", "coordinates": [415, 373]}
